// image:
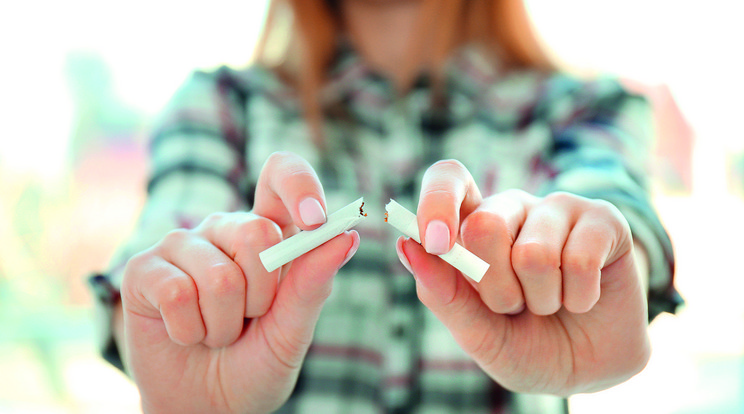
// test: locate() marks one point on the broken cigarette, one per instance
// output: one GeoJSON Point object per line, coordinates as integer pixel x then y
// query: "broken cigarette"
{"type": "Point", "coordinates": [285, 251]}
{"type": "Point", "coordinates": [459, 257]}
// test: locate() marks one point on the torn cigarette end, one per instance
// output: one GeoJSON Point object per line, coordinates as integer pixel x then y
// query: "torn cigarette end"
{"type": "Point", "coordinates": [460, 258]}
{"type": "Point", "coordinates": [285, 251]}
{"type": "Point", "coordinates": [361, 210]}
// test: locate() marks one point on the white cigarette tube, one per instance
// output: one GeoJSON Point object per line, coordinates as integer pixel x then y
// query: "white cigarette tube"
{"type": "Point", "coordinates": [287, 250]}
{"type": "Point", "coordinates": [459, 257]}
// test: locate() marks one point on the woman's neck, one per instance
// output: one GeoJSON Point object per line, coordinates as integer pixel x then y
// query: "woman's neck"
{"type": "Point", "coordinates": [382, 31]}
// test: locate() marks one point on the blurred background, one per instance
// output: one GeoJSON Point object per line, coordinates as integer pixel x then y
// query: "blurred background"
{"type": "Point", "coordinates": [82, 81]}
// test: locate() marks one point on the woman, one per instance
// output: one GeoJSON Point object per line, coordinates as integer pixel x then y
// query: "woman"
{"type": "Point", "coordinates": [451, 108]}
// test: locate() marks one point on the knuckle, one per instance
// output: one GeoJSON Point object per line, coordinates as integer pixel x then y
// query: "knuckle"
{"type": "Point", "coordinates": [225, 278]}
{"type": "Point", "coordinates": [482, 226]}
{"type": "Point", "coordinates": [517, 196]}
{"type": "Point", "coordinates": [605, 208]}
{"type": "Point", "coordinates": [610, 216]}
{"type": "Point", "coordinates": [581, 266]}
{"type": "Point", "coordinates": [535, 258]}
{"type": "Point", "coordinates": [139, 261]}
{"type": "Point", "coordinates": [139, 272]}
{"type": "Point", "coordinates": [213, 219]}
{"type": "Point", "coordinates": [175, 237]}
{"type": "Point", "coordinates": [139, 266]}
{"type": "Point", "coordinates": [561, 197]}
{"type": "Point", "coordinates": [176, 293]}
{"type": "Point", "coordinates": [619, 219]}
{"type": "Point", "coordinates": [323, 293]}
{"type": "Point", "coordinates": [565, 200]}
{"type": "Point", "coordinates": [515, 193]}
{"type": "Point", "coordinates": [258, 233]}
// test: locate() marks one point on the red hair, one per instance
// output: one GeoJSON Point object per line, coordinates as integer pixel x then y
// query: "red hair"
{"type": "Point", "coordinates": [300, 36]}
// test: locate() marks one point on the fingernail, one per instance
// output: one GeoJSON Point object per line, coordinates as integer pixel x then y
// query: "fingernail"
{"type": "Point", "coordinates": [402, 256]}
{"type": "Point", "coordinates": [352, 250]}
{"type": "Point", "coordinates": [311, 212]}
{"type": "Point", "coordinates": [436, 239]}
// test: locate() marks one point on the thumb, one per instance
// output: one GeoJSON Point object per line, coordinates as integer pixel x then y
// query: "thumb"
{"type": "Point", "coordinates": [288, 192]}
{"type": "Point", "coordinates": [290, 323]}
{"type": "Point", "coordinates": [454, 301]}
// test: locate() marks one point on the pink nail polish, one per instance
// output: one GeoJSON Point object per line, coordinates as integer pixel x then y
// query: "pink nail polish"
{"type": "Point", "coordinates": [311, 212]}
{"type": "Point", "coordinates": [402, 256]}
{"type": "Point", "coordinates": [352, 250]}
{"type": "Point", "coordinates": [436, 239]}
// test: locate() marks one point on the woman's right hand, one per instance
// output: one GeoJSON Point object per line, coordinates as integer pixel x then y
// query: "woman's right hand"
{"type": "Point", "coordinates": [207, 328]}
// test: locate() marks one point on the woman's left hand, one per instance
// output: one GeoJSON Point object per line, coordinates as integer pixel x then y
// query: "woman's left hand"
{"type": "Point", "coordinates": [562, 308]}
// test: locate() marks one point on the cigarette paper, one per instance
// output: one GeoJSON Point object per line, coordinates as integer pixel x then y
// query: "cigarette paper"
{"type": "Point", "coordinates": [285, 251]}
{"type": "Point", "coordinates": [459, 257]}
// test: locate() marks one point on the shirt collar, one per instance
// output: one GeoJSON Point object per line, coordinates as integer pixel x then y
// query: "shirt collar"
{"type": "Point", "coordinates": [475, 86]}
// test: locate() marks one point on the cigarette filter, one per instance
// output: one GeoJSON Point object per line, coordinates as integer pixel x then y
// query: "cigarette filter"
{"type": "Point", "coordinates": [459, 257]}
{"type": "Point", "coordinates": [285, 251]}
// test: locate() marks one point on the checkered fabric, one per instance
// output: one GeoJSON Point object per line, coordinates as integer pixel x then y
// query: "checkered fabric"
{"type": "Point", "coordinates": [377, 348]}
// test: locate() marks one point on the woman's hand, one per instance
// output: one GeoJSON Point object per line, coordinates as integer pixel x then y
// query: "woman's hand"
{"type": "Point", "coordinates": [561, 309]}
{"type": "Point", "coordinates": [208, 329]}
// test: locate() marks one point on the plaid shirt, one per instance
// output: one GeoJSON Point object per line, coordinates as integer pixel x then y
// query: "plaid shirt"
{"type": "Point", "coordinates": [376, 347]}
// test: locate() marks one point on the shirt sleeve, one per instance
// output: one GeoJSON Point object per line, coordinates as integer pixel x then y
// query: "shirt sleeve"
{"type": "Point", "coordinates": [602, 145]}
{"type": "Point", "coordinates": [197, 154]}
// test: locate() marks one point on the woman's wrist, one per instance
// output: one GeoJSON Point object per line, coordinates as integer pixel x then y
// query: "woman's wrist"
{"type": "Point", "coordinates": [642, 263]}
